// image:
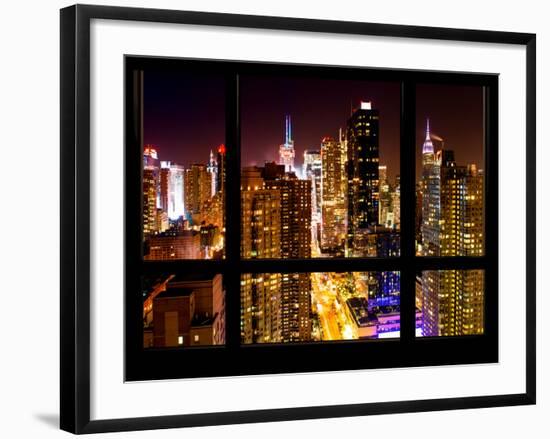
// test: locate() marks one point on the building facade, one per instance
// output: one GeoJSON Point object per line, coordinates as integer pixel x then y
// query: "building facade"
{"type": "Point", "coordinates": [362, 173]}
{"type": "Point", "coordinates": [190, 311]}
{"type": "Point", "coordinates": [333, 195]}
{"type": "Point", "coordinates": [260, 238]}
{"type": "Point", "coordinates": [452, 225]}
{"type": "Point", "coordinates": [198, 188]}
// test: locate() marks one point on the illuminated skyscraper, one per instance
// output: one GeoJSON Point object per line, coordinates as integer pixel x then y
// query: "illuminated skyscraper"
{"type": "Point", "coordinates": [261, 217]}
{"type": "Point", "coordinates": [312, 171]}
{"type": "Point", "coordinates": [172, 189]}
{"type": "Point", "coordinates": [295, 208]}
{"type": "Point", "coordinates": [150, 156]}
{"type": "Point", "coordinates": [164, 185]}
{"type": "Point", "coordinates": [286, 150]}
{"type": "Point", "coordinates": [260, 238]}
{"type": "Point", "coordinates": [383, 175]}
{"type": "Point", "coordinates": [385, 196]}
{"type": "Point", "coordinates": [333, 189]}
{"type": "Point", "coordinates": [418, 216]}
{"type": "Point", "coordinates": [362, 173]}
{"type": "Point", "coordinates": [396, 205]}
{"type": "Point", "coordinates": [295, 243]}
{"type": "Point", "coordinates": [452, 225]}
{"type": "Point", "coordinates": [198, 188]}
{"type": "Point", "coordinates": [212, 169]}
{"type": "Point", "coordinates": [222, 169]}
{"type": "Point", "coordinates": [150, 184]}
{"type": "Point", "coordinates": [431, 188]}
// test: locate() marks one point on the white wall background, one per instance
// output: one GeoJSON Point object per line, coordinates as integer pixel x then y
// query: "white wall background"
{"type": "Point", "coordinates": [29, 249]}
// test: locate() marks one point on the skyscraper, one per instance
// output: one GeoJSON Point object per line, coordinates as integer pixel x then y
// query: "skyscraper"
{"type": "Point", "coordinates": [431, 187]}
{"type": "Point", "coordinates": [362, 173]}
{"type": "Point", "coordinates": [333, 189]}
{"type": "Point", "coordinates": [452, 225]}
{"type": "Point", "coordinates": [295, 202]}
{"type": "Point", "coordinates": [261, 217]}
{"type": "Point", "coordinates": [150, 184]}
{"type": "Point", "coordinates": [260, 238]}
{"type": "Point", "coordinates": [164, 185]}
{"type": "Point", "coordinates": [384, 208]}
{"type": "Point", "coordinates": [222, 169]}
{"type": "Point", "coordinates": [396, 204]}
{"type": "Point", "coordinates": [286, 150]}
{"type": "Point", "coordinates": [312, 171]}
{"type": "Point", "coordinates": [172, 189]}
{"type": "Point", "coordinates": [212, 169]}
{"type": "Point", "coordinates": [198, 188]}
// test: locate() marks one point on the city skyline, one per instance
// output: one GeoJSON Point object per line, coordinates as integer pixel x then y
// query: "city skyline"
{"type": "Point", "coordinates": [464, 134]}
{"type": "Point", "coordinates": [185, 116]}
{"type": "Point", "coordinates": [337, 198]}
{"type": "Point", "coordinates": [319, 109]}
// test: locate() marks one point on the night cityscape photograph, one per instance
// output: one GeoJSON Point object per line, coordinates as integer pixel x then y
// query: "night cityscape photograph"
{"type": "Point", "coordinates": [319, 178]}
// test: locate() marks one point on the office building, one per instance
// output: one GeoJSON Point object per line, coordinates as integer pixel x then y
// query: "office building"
{"type": "Point", "coordinates": [362, 174]}
{"type": "Point", "coordinates": [333, 193]}
{"type": "Point", "coordinates": [452, 225]}
{"type": "Point", "coordinates": [198, 188]}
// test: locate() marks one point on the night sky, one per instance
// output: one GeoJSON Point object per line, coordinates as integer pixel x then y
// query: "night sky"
{"type": "Point", "coordinates": [456, 115]}
{"type": "Point", "coordinates": [184, 116]}
{"type": "Point", "coordinates": [318, 107]}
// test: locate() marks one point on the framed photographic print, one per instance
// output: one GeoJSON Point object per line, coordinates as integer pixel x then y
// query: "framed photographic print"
{"type": "Point", "coordinates": [311, 208]}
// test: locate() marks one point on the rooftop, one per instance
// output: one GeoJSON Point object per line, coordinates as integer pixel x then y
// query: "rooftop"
{"type": "Point", "coordinates": [175, 292]}
{"type": "Point", "coordinates": [359, 311]}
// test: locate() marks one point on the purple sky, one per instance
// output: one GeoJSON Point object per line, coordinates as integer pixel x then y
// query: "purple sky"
{"type": "Point", "coordinates": [456, 115]}
{"type": "Point", "coordinates": [184, 115]}
{"type": "Point", "coordinates": [318, 107]}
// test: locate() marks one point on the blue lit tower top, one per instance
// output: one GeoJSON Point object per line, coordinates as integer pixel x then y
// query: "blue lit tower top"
{"type": "Point", "coordinates": [286, 150]}
{"type": "Point", "coordinates": [288, 131]}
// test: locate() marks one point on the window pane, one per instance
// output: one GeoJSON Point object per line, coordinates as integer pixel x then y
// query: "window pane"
{"type": "Point", "coordinates": [183, 310]}
{"type": "Point", "coordinates": [450, 170]}
{"type": "Point", "coordinates": [313, 307]}
{"type": "Point", "coordinates": [451, 301]}
{"type": "Point", "coordinates": [320, 162]}
{"type": "Point", "coordinates": [183, 165]}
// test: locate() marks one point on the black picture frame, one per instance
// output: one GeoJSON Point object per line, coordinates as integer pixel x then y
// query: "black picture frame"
{"type": "Point", "coordinates": [75, 217]}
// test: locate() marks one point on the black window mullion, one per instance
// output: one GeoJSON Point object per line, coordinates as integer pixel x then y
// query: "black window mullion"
{"type": "Point", "coordinates": [183, 266]}
{"type": "Point", "coordinates": [232, 212]}
{"type": "Point", "coordinates": [408, 209]}
{"type": "Point", "coordinates": [451, 263]}
{"type": "Point", "coordinates": [315, 265]}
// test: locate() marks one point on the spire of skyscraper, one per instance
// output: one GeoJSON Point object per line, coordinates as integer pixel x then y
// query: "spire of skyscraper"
{"type": "Point", "coordinates": [288, 130]}
{"type": "Point", "coordinates": [427, 128]}
{"type": "Point", "coordinates": [286, 150]}
{"type": "Point", "coordinates": [428, 147]}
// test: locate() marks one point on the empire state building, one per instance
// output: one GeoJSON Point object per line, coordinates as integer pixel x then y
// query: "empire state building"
{"type": "Point", "coordinates": [286, 150]}
{"type": "Point", "coordinates": [431, 207]}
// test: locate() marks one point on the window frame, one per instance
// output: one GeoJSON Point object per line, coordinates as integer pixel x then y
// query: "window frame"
{"type": "Point", "coordinates": [241, 359]}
